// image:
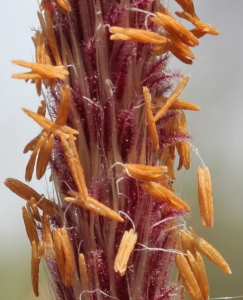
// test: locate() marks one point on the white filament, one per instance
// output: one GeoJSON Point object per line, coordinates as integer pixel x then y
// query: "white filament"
{"type": "Point", "coordinates": [139, 105]}
{"type": "Point", "coordinates": [111, 86]}
{"type": "Point", "coordinates": [91, 292]}
{"type": "Point", "coordinates": [159, 249]}
{"type": "Point", "coordinates": [165, 220]}
{"type": "Point", "coordinates": [233, 297]}
{"type": "Point", "coordinates": [93, 102]}
{"type": "Point", "coordinates": [72, 65]}
{"type": "Point", "coordinates": [133, 225]}
{"type": "Point", "coordinates": [142, 11]}
{"type": "Point", "coordinates": [117, 187]}
{"type": "Point", "coordinates": [195, 150]}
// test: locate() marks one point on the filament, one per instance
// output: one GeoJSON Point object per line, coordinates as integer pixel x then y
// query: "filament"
{"type": "Point", "coordinates": [133, 225]}
{"type": "Point", "coordinates": [233, 297]}
{"type": "Point", "coordinates": [91, 292]}
{"type": "Point", "coordinates": [159, 249]}
{"type": "Point", "coordinates": [195, 150]}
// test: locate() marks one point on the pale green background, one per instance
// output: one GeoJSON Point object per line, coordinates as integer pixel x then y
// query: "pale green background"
{"type": "Point", "coordinates": [216, 85]}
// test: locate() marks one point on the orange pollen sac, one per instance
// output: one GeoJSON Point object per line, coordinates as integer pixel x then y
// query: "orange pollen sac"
{"type": "Point", "coordinates": [205, 196]}
{"type": "Point", "coordinates": [137, 35]}
{"type": "Point", "coordinates": [150, 119]}
{"type": "Point", "coordinates": [40, 71]}
{"type": "Point", "coordinates": [126, 247]}
{"type": "Point", "coordinates": [146, 173]}
{"type": "Point", "coordinates": [163, 194]}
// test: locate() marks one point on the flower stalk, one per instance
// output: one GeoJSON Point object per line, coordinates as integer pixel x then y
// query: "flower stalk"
{"type": "Point", "coordinates": [115, 127]}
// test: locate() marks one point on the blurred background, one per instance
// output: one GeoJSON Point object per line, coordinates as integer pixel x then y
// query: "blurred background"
{"type": "Point", "coordinates": [216, 85]}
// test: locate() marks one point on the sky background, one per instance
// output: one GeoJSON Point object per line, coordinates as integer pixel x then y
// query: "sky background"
{"type": "Point", "coordinates": [216, 85]}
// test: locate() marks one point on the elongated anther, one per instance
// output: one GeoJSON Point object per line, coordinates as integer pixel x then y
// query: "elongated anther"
{"type": "Point", "coordinates": [64, 255]}
{"type": "Point", "coordinates": [44, 156]}
{"type": "Point", "coordinates": [175, 29]}
{"type": "Point", "coordinates": [163, 194]}
{"type": "Point", "coordinates": [64, 106]}
{"type": "Point", "coordinates": [201, 27]}
{"type": "Point", "coordinates": [194, 267]}
{"type": "Point", "coordinates": [40, 71]}
{"type": "Point", "coordinates": [73, 161]}
{"type": "Point", "coordinates": [63, 5]}
{"type": "Point", "coordinates": [150, 119]}
{"type": "Point", "coordinates": [84, 279]}
{"type": "Point", "coordinates": [180, 87]}
{"type": "Point", "coordinates": [48, 125]}
{"type": "Point", "coordinates": [210, 252]}
{"type": "Point", "coordinates": [136, 35]}
{"type": "Point", "coordinates": [184, 151]}
{"type": "Point", "coordinates": [31, 163]}
{"type": "Point", "coordinates": [47, 238]}
{"type": "Point", "coordinates": [126, 247]}
{"type": "Point", "coordinates": [36, 253]}
{"type": "Point", "coordinates": [146, 173]}
{"type": "Point", "coordinates": [188, 277]}
{"type": "Point", "coordinates": [205, 196]}
{"type": "Point", "coordinates": [186, 242]}
{"type": "Point", "coordinates": [157, 103]}
{"type": "Point", "coordinates": [26, 192]}
{"type": "Point", "coordinates": [188, 6]}
{"type": "Point", "coordinates": [203, 277]}
{"type": "Point", "coordinates": [96, 207]}
{"type": "Point", "coordinates": [30, 225]}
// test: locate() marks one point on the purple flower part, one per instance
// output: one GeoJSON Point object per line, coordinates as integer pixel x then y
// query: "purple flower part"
{"type": "Point", "coordinates": [166, 140]}
{"type": "Point", "coordinates": [107, 108]}
{"type": "Point", "coordinates": [99, 267]}
{"type": "Point", "coordinates": [168, 292]}
{"type": "Point", "coordinates": [61, 292]}
{"type": "Point", "coordinates": [126, 132]}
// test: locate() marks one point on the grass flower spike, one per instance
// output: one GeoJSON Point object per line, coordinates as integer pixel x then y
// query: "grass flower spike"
{"type": "Point", "coordinates": [112, 125]}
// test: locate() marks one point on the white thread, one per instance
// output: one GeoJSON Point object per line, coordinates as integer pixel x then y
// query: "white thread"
{"type": "Point", "coordinates": [117, 187]}
{"type": "Point", "coordinates": [233, 297]}
{"type": "Point", "coordinates": [176, 226]}
{"type": "Point", "coordinates": [142, 11]}
{"type": "Point", "coordinates": [159, 249]}
{"type": "Point", "coordinates": [133, 225]}
{"type": "Point", "coordinates": [117, 163]}
{"type": "Point", "coordinates": [40, 200]}
{"type": "Point", "coordinates": [79, 246]}
{"type": "Point", "coordinates": [118, 180]}
{"type": "Point", "coordinates": [146, 20]}
{"type": "Point", "coordinates": [89, 100]}
{"type": "Point", "coordinates": [72, 65]}
{"type": "Point", "coordinates": [138, 106]}
{"type": "Point", "coordinates": [111, 86]}
{"type": "Point", "coordinates": [43, 293]}
{"type": "Point", "coordinates": [67, 185]}
{"type": "Point", "coordinates": [186, 230]}
{"type": "Point", "coordinates": [165, 220]}
{"type": "Point", "coordinates": [96, 290]}
{"type": "Point", "coordinates": [195, 150]}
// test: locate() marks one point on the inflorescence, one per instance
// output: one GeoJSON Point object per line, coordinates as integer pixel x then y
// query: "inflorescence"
{"type": "Point", "coordinates": [115, 228]}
